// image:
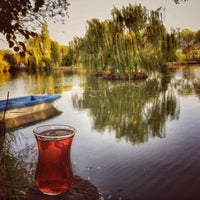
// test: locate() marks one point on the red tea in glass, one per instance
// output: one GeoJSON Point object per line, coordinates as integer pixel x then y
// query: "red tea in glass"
{"type": "Point", "coordinates": [54, 172]}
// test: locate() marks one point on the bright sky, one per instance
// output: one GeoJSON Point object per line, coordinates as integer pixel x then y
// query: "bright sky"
{"type": "Point", "coordinates": [184, 15]}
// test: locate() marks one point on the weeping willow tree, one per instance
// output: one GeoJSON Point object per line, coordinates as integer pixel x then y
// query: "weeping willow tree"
{"type": "Point", "coordinates": [132, 42]}
{"type": "Point", "coordinates": [42, 52]}
{"type": "Point", "coordinates": [39, 50]}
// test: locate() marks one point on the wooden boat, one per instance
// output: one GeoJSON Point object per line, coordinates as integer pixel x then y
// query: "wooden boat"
{"type": "Point", "coordinates": [20, 106]}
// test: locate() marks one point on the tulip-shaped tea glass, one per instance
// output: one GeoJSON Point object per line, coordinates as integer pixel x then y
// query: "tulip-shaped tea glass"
{"type": "Point", "coordinates": [54, 172]}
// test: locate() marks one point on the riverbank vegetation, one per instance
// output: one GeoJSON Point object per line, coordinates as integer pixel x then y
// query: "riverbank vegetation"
{"type": "Point", "coordinates": [133, 44]}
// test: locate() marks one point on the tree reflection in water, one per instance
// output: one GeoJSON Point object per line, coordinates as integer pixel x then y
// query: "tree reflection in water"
{"type": "Point", "coordinates": [134, 110]}
{"type": "Point", "coordinates": [16, 167]}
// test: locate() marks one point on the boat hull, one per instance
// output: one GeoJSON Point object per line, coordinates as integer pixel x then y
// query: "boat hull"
{"type": "Point", "coordinates": [18, 112]}
{"type": "Point", "coordinates": [17, 107]}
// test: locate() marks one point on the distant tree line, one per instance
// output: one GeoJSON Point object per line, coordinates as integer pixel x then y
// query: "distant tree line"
{"type": "Point", "coordinates": [41, 53]}
{"type": "Point", "coordinates": [134, 40]}
{"type": "Point", "coordinates": [25, 17]}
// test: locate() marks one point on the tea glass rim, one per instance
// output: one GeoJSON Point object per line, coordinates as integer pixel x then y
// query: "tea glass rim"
{"type": "Point", "coordinates": [38, 133]}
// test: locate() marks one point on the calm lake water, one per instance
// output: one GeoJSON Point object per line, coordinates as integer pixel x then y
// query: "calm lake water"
{"type": "Point", "coordinates": [135, 140]}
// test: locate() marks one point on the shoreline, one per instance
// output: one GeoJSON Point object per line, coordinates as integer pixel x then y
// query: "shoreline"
{"type": "Point", "coordinates": [175, 63]}
{"type": "Point", "coordinates": [81, 69]}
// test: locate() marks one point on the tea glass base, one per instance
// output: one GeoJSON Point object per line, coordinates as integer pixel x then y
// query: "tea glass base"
{"type": "Point", "coordinates": [53, 192]}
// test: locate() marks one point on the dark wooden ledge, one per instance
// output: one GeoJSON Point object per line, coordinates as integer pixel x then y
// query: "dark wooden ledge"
{"type": "Point", "coordinates": [79, 190]}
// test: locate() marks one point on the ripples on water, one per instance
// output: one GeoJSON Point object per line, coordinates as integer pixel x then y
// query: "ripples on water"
{"type": "Point", "coordinates": [137, 141]}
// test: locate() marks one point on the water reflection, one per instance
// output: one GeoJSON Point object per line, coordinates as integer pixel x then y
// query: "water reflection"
{"type": "Point", "coordinates": [184, 79]}
{"type": "Point", "coordinates": [54, 82]}
{"type": "Point", "coordinates": [134, 111]}
{"type": "Point", "coordinates": [5, 77]}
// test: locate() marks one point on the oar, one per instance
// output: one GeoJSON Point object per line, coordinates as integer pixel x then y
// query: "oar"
{"type": "Point", "coordinates": [4, 113]}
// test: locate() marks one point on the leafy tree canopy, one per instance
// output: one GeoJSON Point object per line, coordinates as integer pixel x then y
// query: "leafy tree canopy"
{"type": "Point", "coordinates": [20, 19]}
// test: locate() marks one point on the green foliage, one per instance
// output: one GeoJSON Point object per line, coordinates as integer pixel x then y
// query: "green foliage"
{"type": "Point", "coordinates": [189, 43]}
{"type": "Point", "coordinates": [41, 54]}
{"type": "Point", "coordinates": [45, 44]}
{"type": "Point", "coordinates": [197, 39]}
{"type": "Point", "coordinates": [10, 58]}
{"type": "Point", "coordinates": [186, 42]}
{"type": "Point", "coordinates": [169, 46]}
{"type": "Point", "coordinates": [46, 64]}
{"type": "Point", "coordinates": [180, 56]}
{"type": "Point", "coordinates": [55, 53]}
{"type": "Point", "coordinates": [67, 56]}
{"type": "Point", "coordinates": [134, 40]}
{"type": "Point", "coordinates": [4, 64]}
{"type": "Point", "coordinates": [196, 55]}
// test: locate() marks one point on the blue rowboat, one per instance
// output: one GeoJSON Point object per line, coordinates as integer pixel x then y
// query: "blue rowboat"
{"type": "Point", "coordinates": [16, 107]}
